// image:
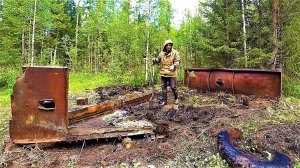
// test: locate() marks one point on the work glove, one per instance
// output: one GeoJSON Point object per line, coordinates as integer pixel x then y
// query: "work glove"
{"type": "Point", "coordinates": [172, 68]}
{"type": "Point", "coordinates": [154, 61]}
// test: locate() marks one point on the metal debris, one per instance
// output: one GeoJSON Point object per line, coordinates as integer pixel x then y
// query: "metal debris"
{"type": "Point", "coordinates": [257, 82]}
{"type": "Point", "coordinates": [40, 111]}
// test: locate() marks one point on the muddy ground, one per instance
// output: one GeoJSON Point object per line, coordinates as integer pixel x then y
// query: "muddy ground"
{"type": "Point", "coordinates": [186, 135]}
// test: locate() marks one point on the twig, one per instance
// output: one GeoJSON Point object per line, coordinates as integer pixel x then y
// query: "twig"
{"type": "Point", "coordinates": [82, 148]}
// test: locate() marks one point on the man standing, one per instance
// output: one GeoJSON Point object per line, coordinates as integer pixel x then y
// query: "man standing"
{"type": "Point", "coordinates": [169, 60]}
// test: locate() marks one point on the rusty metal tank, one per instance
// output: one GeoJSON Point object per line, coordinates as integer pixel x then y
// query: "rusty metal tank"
{"type": "Point", "coordinates": [39, 105]}
{"type": "Point", "coordinates": [257, 82]}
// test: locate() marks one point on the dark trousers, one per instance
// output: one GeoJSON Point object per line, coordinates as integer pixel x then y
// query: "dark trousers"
{"type": "Point", "coordinates": [168, 81]}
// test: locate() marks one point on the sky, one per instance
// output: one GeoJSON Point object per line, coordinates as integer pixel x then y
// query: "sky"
{"type": "Point", "coordinates": [179, 7]}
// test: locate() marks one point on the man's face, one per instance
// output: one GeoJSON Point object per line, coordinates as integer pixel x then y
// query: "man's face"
{"type": "Point", "coordinates": [169, 47]}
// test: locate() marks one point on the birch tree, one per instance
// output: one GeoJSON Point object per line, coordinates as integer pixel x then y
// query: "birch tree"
{"type": "Point", "coordinates": [244, 33]}
{"type": "Point", "coordinates": [33, 33]}
{"type": "Point", "coordinates": [275, 33]}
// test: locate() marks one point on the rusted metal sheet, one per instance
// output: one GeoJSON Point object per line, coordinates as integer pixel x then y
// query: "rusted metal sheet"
{"type": "Point", "coordinates": [130, 99]}
{"type": "Point", "coordinates": [260, 83]}
{"type": "Point", "coordinates": [76, 134]}
{"type": "Point", "coordinates": [115, 124]}
{"type": "Point", "coordinates": [39, 105]}
{"type": "Point", "coordinates": [39, 111]}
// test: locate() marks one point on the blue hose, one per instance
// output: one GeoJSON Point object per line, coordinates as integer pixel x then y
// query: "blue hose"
{"type": "Point", "coordinates": [236, 158]}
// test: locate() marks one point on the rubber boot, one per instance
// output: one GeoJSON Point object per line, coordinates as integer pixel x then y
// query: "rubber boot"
{"type": "Point", "coordinates": [164, 98]}
{"type": "Point", "coordinates": [175, 93]}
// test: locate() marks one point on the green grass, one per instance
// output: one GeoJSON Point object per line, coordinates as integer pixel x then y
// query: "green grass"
{"type": "Point", "coordinates": [5, 112]}
{"type": "Point", "coordinates": [5, 97]}
{"type": "Point", "coordinates": [78, 82]}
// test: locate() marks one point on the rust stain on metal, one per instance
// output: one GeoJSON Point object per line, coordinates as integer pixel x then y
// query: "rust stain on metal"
{"type": "Point", "coordinates": [81, 101]}
{"type": "Point", "coordinates": [39, 105]}
{"type": "Point", "coordinates": [261, 83]}
{"type": "Point", "coordinates": [39, 110]}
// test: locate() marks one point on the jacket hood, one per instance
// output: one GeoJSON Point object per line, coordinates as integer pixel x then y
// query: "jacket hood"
{"type": "Point", "coordinates": [167, 42]}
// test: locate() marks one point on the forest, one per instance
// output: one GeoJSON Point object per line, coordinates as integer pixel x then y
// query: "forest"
{"type": "Point", "coordinates": [112, 43]}
{"type": "Point", "coordinates": [120, 37]}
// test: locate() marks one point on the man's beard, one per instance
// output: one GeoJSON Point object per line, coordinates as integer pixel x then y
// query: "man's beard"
{"type": "Point", "coordinates": [168, 51]}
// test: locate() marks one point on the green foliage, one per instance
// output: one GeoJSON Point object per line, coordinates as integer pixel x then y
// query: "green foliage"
{"type": "Point", "coordinates": [111, 36]}
{"type": "Point", "coordinates": [291, 86]}
{"type": "Point", "coordinates": [249, 128]}
{"type": "Point", "coordinates": [136, 77]}
{"type": "Point", "coordinates": [291, 52]}
{"type": "Point", "coordinates": [7, 78]}
{"type": "Point", "coordinates": [257, 58]}
{"type": "Point", "coordinates": [116, 70]}
{"type": "Point", "coordinates": [71, 164]}
{"type": "Point", "coordinates": [215, 161]}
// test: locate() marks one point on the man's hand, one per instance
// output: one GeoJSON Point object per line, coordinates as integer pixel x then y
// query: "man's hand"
{"type": "Point", "coordinates": [172, 68]}
{"type": "Point", "coordinates": [154, 61]}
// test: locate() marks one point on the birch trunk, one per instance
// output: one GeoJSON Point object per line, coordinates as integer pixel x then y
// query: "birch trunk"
{"type": "Point", "coordinates": [244, 34]}
{"type": "Point", "coordinates": [260, 24]}
{"type": "Point", "coordinates": [51, 56]}
{"type": "Point", "coordinates": [190, 37]}
{"type": "Point", "coordinates": [54, 55]}
{"type": "Point", "coordinates": [23, 46]}
{"type": "Point", "coordinates": [148, 40]}
{"type": "Point", "coordinates": [76, 33]}
{"type": "Point", "coordinates": [147, 55]}
{"type": "Point", "coordinates": [29, 43]}
{"type": "Point", "coordinates": [275, 33]}
{"type": "Point", "coordinates": [42, 47]}
{"type": "Point", "coordinates": [33, 33]}
{"type": "Point", "coordinates": [89, 51]}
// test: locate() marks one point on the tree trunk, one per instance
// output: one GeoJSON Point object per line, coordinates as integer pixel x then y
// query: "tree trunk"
{"type": "Point", "coordinates": [51, 56]}
{"type": "Point", "coordinates": [89, 50]}
{"type": "Point", "coordinates": [76, 33]}
{"type": "Point", "coordinates": [228, 57]}
{"type": "Point", "coordinates": [147, 55]}
{"type": "Point", "coordinates": [260, 40]}
{"type": "Point", "coordinates": [190, 38]}
{"type": "Point", "coordinates": [244, 33]}
{"type": "Point", "coordinates": [54, 55]}
{"type": "Point", "coordinates": [95, 54]}
{"type": "Point", "coordinates": [29, 43]}
{"type": "Point", "coordinates": [42, 47]}
{"type": "Point", "coordinates": [226, 24]}
{"type": "Point", "coordinates": [275, 33]}
{"type": "Point", "coordinates": [33, 33]}
{"type": "Point", "coordinates": [23, 46]}
{"type": "Point", "coordinates": [148, 40]}
{"type": "Point", "coordinates": [186, 56]}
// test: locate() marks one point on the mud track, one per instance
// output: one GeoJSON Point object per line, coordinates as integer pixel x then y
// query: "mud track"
{"type": "Point", "coordinates": [188, 130]}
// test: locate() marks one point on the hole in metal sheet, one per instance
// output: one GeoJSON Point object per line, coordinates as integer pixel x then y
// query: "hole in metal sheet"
{"type": "Point", "coordinates": [219, 82]}
{"type": "Point", "coordinates": [47, 105]}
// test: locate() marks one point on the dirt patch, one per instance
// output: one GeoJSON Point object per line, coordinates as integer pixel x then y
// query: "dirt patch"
{"type": "Point", "coordinates": [107, 93]}
{"type": "Point", "coordinates": [185, 135]}
{"type": "Point", "coordinates": [283, 137]}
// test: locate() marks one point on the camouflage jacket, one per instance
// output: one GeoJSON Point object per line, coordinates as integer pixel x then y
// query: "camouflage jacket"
{"type": "Point", "coordinates": [166, 60]}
